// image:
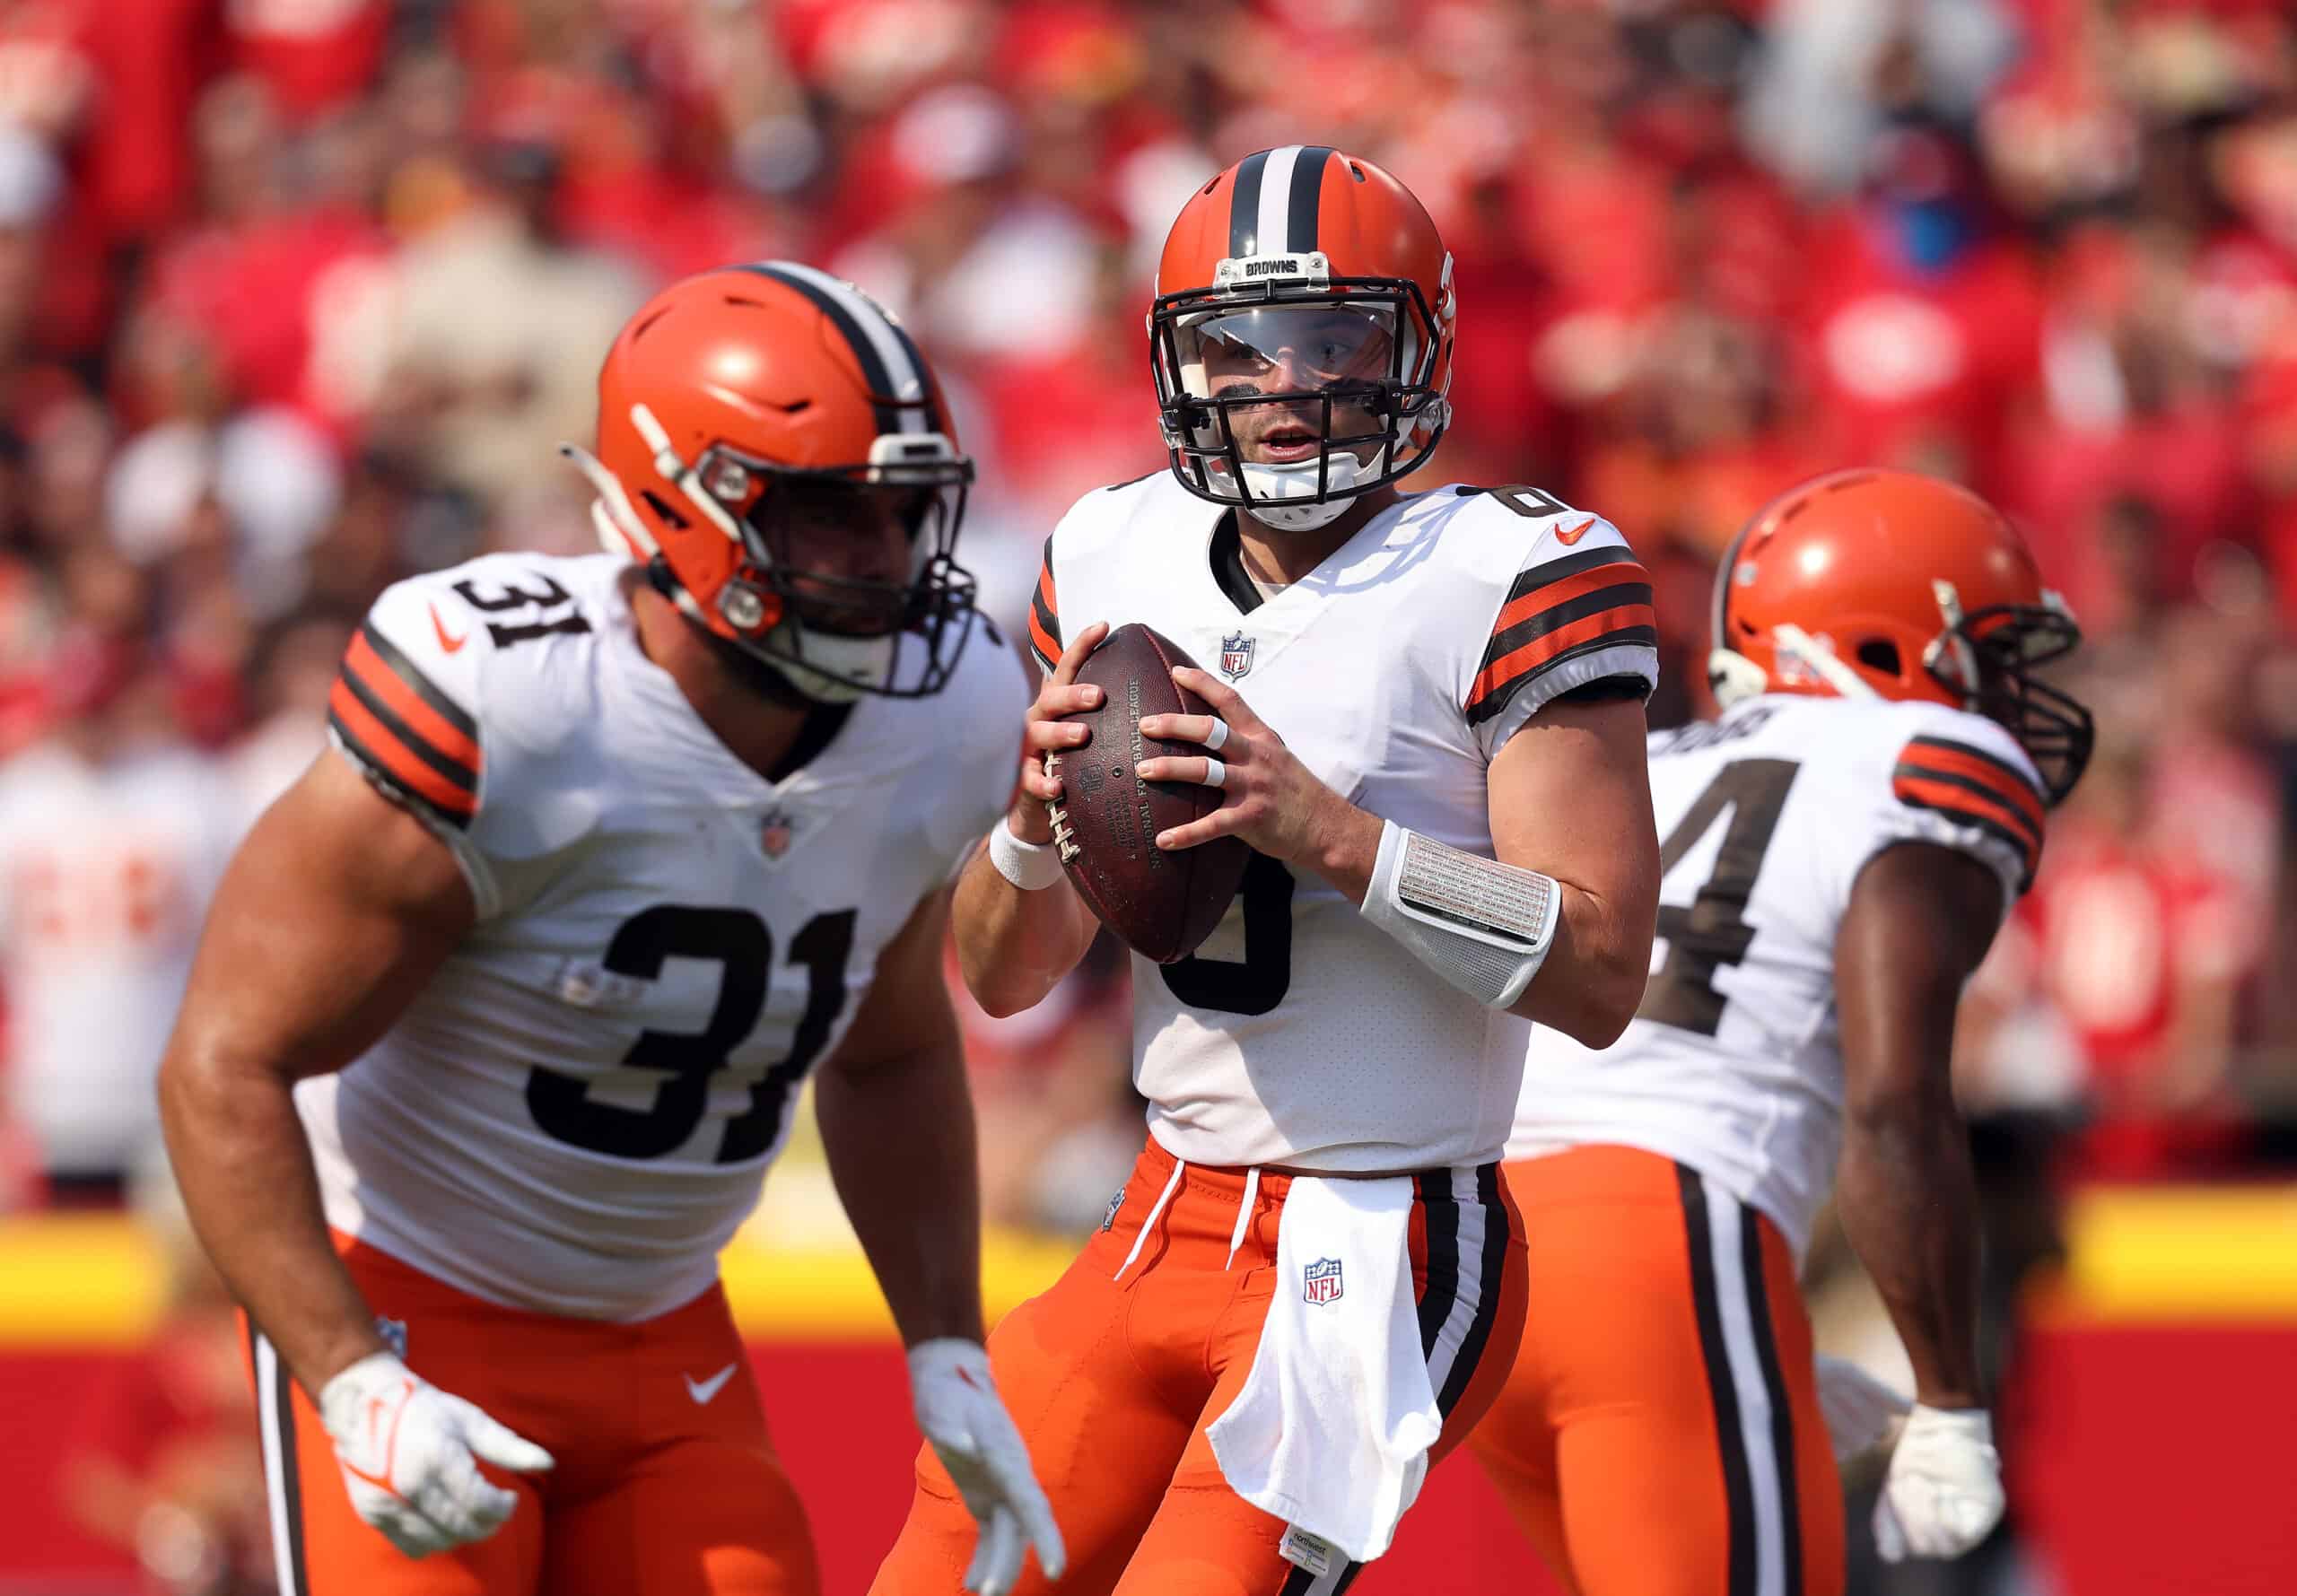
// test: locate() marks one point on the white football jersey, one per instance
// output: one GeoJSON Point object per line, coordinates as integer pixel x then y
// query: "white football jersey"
{"type": "Point", "coordinates": [1766, 817]}
{"type": "Point", "coordinates": [105, 873]}
{"type": "Point", "coordinates": [578, 1110]}
{"type": "Point", "coordinates": [1299, 1033]}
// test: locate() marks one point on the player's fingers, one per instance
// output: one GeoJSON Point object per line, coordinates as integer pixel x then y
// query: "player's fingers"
{"type": "Point", "coordinates": [1059, 699]}
{"type": "Point", "coordinates": [1034, 1514]}
{"type": "Point", "coordinates": [1072, 658]}
{"type": "Point", "coordinates": [504, 1447]}
{"type": "Point", "coordinates": [997, 1554]}
{"type": "Point", "coordinates": [1890, 1541]}
{"type": "Point", "coordinates": [1226, 700]}
{"type": "Point", "coordinates": [1209, 731]}
{"type": "Point", "coordinates": [1042, 735]}
{"type": "Point", "coordinates": [1188, 768]}
{"type": "Point", "coordinates": [1221, 823]}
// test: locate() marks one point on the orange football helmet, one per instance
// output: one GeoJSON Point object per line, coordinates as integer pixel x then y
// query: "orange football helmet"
{"type": "Point", "coordinates": [1893, 585]}
{"type": "Point", "coordinates": [732, 390]}
{"type": "Point", "coordinates": [1308, 251]}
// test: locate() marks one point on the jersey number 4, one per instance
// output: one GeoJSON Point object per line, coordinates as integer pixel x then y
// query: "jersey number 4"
{"type": "Point", "coordinates": [1711, 931]}
{"type": "Point", "coordinates": [738, 942]}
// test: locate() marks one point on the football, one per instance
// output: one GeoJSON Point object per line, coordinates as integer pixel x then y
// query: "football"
{"type": "Point", "coordinates": [1160, 904]}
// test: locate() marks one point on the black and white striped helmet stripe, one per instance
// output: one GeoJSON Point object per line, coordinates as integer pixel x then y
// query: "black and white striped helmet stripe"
{"type": "Point", "coordinates": [1277, 195]}
{"type": "Point", "coordinates": [891, 365]}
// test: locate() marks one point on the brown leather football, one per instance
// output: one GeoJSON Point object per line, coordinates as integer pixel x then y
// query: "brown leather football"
{"type": "Point", "coordinates": [1160, 904]}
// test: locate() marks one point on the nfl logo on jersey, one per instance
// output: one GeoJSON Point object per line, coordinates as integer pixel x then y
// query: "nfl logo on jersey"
{"type": "Point", "coordinates": [774, 833]}
{"type": "Point", "coordinates": [1236, 655]}
{"type": "Point", "coordinates": [394, 1334]}
{"type": "Point", "coordinates": [1320, 1281]}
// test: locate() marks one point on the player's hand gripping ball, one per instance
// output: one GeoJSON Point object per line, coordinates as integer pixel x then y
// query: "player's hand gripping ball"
{"type": "Point", "coordinates": [1162, 903]}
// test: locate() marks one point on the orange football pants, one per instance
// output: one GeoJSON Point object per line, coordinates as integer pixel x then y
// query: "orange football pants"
{"type": "Point", "coordinates": [1660, 1434]}
{"type": "Point", "coordinates": [664, 1483]}
{"type": "Point", "coordinates": [1112, 1383]}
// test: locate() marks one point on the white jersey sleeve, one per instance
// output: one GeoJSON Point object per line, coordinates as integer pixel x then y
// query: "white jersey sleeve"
{"type": "Point", "coordinates": [1956, 780]}
{"type": "Point", "coordinates": [448, 700]}
{"type": "Point", "coordinates": [1571, 608]}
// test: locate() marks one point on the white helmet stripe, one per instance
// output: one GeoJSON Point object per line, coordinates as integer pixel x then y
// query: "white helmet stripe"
{"type": "Point", "coordinates": [1275, 201]}
{"type": "Point", "coordinates": [902, 369]}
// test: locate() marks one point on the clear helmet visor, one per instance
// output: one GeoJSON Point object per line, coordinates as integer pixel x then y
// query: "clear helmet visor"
{"type": "Point", "coordinates": [1273, 350]}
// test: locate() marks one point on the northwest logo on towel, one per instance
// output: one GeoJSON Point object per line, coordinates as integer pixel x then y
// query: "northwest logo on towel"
{"type": "Point", "coordinates": [1320, 1281]}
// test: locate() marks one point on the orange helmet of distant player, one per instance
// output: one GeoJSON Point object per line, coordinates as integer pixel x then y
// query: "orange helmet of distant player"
{"type": "Point", "coordinates": [1889, 584]}
{"type": "Point", "coordinates": [1307, 252]}
{"type": "Point", "coordinates": [734, 389]}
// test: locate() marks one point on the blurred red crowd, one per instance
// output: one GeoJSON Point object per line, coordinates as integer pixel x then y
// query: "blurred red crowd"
{"type": "Point", "coordinates": [297, 295]}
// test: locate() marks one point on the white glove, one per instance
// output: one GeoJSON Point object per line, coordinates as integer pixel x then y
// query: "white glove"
{"type": "Point", "coordinates": [1943, 1492]}
{"type": "Point", "coordinates": [962, 1417]}
{"type": "Point", "coordinates": [408, 1453]}
{"type": "Point", "coordinates": [1859, 1408]}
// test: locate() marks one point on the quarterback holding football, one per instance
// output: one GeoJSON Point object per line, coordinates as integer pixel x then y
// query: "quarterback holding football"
{"type": "Point", "coordinates": [1424, 717]}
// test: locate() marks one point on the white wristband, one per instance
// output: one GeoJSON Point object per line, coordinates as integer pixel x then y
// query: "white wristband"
{"type": "Point", "coordinates": [1030, 865]}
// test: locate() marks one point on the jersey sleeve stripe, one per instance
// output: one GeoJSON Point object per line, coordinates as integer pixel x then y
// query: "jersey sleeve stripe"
{"type": "Point", "coordinates": [1943, 753]}
{"type": "Point", "coordinates": [1613, 625]}
{"type": "Point", "coordinates": [1044, 615]}
{"type": "Point", "coordinates": [407, 671]}
{"type": "Point", "coordinates": [403, 738]}
{"type": "Point", "coordinates": [1529, 582]}
{"type": "Point", "coordinates": [367, 740]}
{"type": "Point", "coordinates": [1573, 598]}
{"type": "Point", "coordinates": [418, 711]}
{"type": "Point", "coordinates": [1943, 787]}
{"type": "Point", "coordinates": [1975, 810]}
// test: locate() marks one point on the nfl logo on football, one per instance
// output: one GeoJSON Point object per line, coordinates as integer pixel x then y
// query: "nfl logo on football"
{"type": "Point", "coordinates": [774, 833]}
{"type": "Point", "coordinates": [1236, 655]}
{"type": "Point", "coordinates": [1320, 1281]}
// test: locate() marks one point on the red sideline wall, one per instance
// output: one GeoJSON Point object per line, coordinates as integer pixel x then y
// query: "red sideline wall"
{"type": "Point", "coordinates": [2156, 1460]}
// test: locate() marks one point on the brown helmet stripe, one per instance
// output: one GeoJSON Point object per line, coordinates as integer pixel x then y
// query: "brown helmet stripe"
{"type": "Point", "coordinates": [1244, 206]}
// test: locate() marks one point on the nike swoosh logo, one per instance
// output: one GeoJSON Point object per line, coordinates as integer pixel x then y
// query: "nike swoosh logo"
{"type": "Point", "coordinates": [450, 643]}
{"type": "Point", "coordinates": [1567, 538]}
{"type": "Point", "coordinates": [702, 1390]}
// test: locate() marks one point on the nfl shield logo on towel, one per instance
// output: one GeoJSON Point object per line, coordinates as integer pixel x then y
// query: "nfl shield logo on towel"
{"type": "Point", "coordinates": [774, 833]}
{"type": "Point", "coordinates": [1236, 655]}
{"type": "Point", "coordinates": [1320, 1281]}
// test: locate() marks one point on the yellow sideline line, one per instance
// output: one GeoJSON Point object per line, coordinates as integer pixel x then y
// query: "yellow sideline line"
{"type": "Point", "coordinates": [2138, 1254]}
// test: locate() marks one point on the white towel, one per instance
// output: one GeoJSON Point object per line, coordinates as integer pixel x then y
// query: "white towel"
{"type": "Point", "coordinates": [1332, 1431]}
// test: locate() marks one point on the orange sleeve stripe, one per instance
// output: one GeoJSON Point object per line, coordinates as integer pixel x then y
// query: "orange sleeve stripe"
{"type": "Point", "coordinates": [2014, 792]}
{"type": "Point", "coordinates": [1564, 589]}
{"type": "Point", "coordinates": [1047, 647]}
{"type": "Point", "coordinates": [426, 722]}
{"type": "Point", "coordinates": [375, 742]}
{"type": "Point", "coordinates": [1045, 594]}
{"type": "Point", "coordinates": [1540, 651]}
{"type": "Point", "coordinates": [1960, 803]}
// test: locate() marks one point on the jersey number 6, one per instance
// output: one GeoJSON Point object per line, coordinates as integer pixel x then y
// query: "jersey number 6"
{"type": "Point", "coordinates": [739, 943]}
{"type": "Point", "coordinates": [1258, 983]}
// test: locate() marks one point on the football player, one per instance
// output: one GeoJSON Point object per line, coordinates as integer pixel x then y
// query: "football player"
{"type": "Point", "coordinates": [1428, 727]}
{"type": "Point", "coordinates": [503, 1009]}
{"type": "Point", "coordinates": [1840, 848]}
